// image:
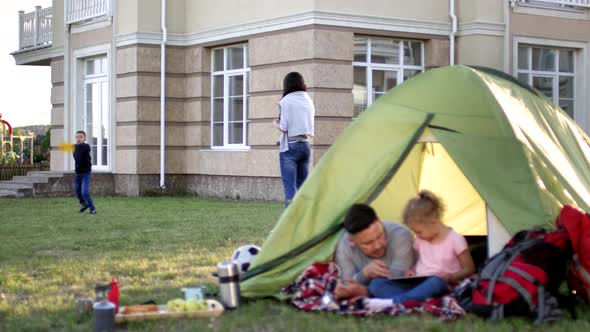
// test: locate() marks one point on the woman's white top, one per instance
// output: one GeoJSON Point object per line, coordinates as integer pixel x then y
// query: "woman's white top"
{"type": "Point", "coordinates": [297, 117]}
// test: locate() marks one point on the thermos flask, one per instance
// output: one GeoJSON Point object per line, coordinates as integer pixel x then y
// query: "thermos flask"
{"type": "Point", "coordinates": [229, 284]}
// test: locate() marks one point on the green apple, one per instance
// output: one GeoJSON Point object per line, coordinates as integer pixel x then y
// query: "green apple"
{"type": "Point", "coordinates": [176, 305]}
{"type": "Point", "coordinates": [194, 304]}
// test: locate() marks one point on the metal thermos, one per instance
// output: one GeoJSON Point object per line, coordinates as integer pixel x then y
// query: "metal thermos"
{"type": "Point", "coordinates": [229, 284]}
{"type": "Point", "coordinates": [104, 311]}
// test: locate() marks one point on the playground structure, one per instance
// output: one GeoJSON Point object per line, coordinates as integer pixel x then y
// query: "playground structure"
{"type": "Point", "coordinates": [7, 140]}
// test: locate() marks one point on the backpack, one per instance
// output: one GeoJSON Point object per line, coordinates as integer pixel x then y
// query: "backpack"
{"type": "Point", "coordinates": [577, 225]}
{"type": "Point", "coordinates": [521, 280]}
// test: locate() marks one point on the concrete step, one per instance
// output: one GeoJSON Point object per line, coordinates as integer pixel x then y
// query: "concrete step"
{"type": "Point", "coordinates": [10, 193]}
{"type": "Point", "coordinates": [30, 179]}
{"type": "Point", "coordinates": [15, 185]}
{"type": "Point", "coordinates": [49, 174]}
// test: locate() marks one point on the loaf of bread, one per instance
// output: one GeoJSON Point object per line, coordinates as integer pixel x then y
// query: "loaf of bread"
{"type": "Point", "coordinates": [138, 309]}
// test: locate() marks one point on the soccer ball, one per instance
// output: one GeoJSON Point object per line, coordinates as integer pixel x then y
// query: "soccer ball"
{"type": "Point", "coordinates": [244, 256]}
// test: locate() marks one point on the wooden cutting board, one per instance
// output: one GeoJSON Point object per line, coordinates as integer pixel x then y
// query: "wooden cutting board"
{"type": "Point", "coordinates": [215, 309]}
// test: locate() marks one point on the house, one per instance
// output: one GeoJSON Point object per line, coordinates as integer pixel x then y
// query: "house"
{"type": "Point", "coordinates": [224, 64]}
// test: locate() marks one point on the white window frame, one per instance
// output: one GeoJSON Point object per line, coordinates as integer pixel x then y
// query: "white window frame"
{"type": "Point", "coordinates": [245, 93]}
{"type": "Point", "coordinates": [90, 79]}
{"type": "Point", "coordinates": [399, 68]}
{"type": "Point", "coordinates": [581, 72]}
{"type": "Point", "coordinates": [78, 75]}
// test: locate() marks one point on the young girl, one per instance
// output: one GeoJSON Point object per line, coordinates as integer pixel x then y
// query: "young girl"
{"type": "Point", "coordinates": [443, 255]}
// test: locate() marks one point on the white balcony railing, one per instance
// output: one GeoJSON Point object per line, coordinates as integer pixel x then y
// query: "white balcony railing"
{"type": "Point", "coordinates": [35, 28]}
{"type": "Point", "coordinates": [81, 10]}
{"type": "Point", "coordinates": [560, 3]}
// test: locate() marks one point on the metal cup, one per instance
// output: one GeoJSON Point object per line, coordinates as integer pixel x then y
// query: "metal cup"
{"type": "Point", "coordinates": [193, 293]}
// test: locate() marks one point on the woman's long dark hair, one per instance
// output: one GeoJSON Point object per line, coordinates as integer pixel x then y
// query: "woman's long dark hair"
{"type": "Point", "coordinates": [293, 82]}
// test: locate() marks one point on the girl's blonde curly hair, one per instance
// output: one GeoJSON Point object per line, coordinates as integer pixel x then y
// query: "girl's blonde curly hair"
{"type": "Point", "coordinates": [425, 206]}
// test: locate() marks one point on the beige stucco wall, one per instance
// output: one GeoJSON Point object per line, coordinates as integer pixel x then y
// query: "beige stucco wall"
{"type": "Point", "coordinates": [57, 114]}
{"type": "Point", "coordinates": [138, 107]}
{"type": "Point", "coordinates": [479, 10]}
{"type": "Point", "coordinates": [127, 16]}
{"type": "Point", "coordinates": [91, 38]}
{"type": "Point", "coordinates": [58, 26]}
{"type": "Point", "coordinates": [200, 15]}
{"type": "Point", "coordinates": [481, 50]}
{"type": "Point", "coordinates": [145, 16]}
{"type": "Point", "coordinates": [436, 53]}
{"type": "Point", "coordinates": [324, 58]}
{"type": "Point", "coordinates": [322, 54]}
{"type": "Point", "coordinates": [176, 16]}
{"type": "Point", "coordinates": [149, 15]}
{"type": "Point", "coordinates": [430, 10]}
{"type": "Point", "coordinates": [549, 27]}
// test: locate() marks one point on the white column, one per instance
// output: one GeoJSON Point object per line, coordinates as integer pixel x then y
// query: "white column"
{"type": "Point", "coordinates": [32, 149]}
{"type": "Point", "coordinates": [36, 26]}
{"type": "Point", "coordinates": [22, 149]}
{"type": "Point", "coordinates": [20, 28]}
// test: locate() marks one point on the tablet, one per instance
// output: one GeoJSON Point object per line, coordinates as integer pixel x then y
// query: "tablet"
{"type": "Point", "coordinates": [410, 280]}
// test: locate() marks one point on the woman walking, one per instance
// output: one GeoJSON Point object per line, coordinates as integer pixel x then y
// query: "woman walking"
{"type": "Point", "coordinates": [296, 122]}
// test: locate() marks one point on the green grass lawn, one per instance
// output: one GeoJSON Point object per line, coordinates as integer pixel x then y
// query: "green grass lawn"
{"type": "Point", "coordinates": [51, 255]}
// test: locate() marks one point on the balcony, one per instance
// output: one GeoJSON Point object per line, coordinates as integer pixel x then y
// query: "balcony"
{"type": "Point", "coordinates": [84, 10]}
{"type": "Point", "coordinates": [35, 29]}
{"type": "Point", "coordinates": [557, 3]}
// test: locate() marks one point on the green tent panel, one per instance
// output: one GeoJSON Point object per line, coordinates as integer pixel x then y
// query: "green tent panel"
{"type": "Point", "coordinates": [502, 157]}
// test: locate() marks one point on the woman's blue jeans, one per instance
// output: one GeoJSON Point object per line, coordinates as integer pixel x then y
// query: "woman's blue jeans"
{"type": "Point", "coordinates": [294, 168]}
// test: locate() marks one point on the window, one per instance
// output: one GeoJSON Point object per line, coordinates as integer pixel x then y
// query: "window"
{"type": "Point", "coordinates": [93, 115]}
{"type": "Point", "coordinates": [551, 71]}
{"type": "Point", "coordinates": [548, 4]}
{"type": "Point", "coordinates": [380, 64]}
{"type": "Point", "coordinates": [229, 97]}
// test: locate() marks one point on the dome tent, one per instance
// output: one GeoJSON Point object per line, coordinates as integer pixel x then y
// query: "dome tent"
{"type": "Point", "coordinates": [502, 157]}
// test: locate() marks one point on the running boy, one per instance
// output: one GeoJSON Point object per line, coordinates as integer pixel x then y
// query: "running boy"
{"type": "Point", "coordinates": [83, 169]}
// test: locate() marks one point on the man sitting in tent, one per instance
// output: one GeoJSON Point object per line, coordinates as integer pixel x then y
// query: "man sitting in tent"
{"type": "Point", "coordinates": [371, 249]}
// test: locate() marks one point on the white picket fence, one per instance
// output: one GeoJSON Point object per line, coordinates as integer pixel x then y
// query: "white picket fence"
{"type": "Point", "coordinates": [81, 10]}
{"type": "Point", "coordinates": [35, 28]}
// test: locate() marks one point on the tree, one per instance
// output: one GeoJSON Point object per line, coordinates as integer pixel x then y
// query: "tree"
{"type": "Point", "coordinates": [44, 148]}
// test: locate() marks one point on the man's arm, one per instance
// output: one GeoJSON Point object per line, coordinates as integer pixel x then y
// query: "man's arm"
{"type": "Point", "coordinates": [350, 288]}
{"type": "Point", "coordinates": [404, 255]}
{"type": "Point", "coordinates": [345, 261]}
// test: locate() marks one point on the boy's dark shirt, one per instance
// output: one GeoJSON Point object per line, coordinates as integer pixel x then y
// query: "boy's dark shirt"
{"type": "Point", "coordinates": [82, 158]}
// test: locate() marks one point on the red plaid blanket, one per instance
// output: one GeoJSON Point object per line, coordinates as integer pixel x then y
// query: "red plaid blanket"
{"type": "Point", "coordinates": [312, 292]}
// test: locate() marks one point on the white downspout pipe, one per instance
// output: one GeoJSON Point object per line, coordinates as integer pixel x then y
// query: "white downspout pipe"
{"type": "Point", "coordinates": [163, 98]}
{"type": "Point", "coordinates": [507, 4]}
{"type": "Point", "coordinates": [453, 32]}
{"type": "Point", "coordinates": [113, 85]}
{"type": "Point", "coordinates": [68, 123]}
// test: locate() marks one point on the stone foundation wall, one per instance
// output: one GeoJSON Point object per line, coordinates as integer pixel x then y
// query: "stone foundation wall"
{"type": "Point", "coordinates": [102, 184]}
{"type": "Point", "coordinates": [205, 186]}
